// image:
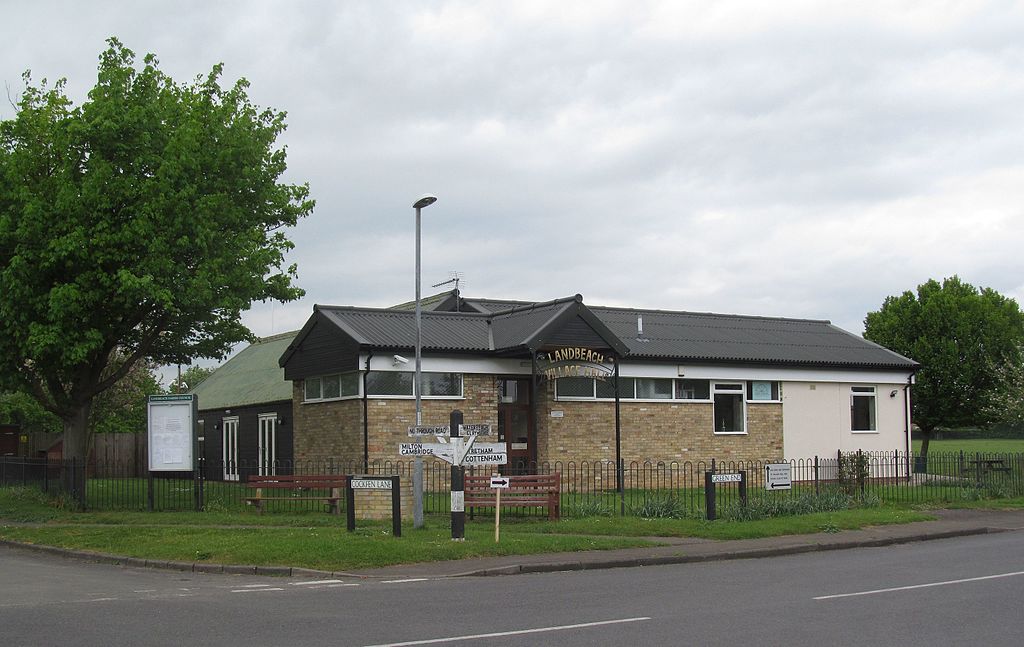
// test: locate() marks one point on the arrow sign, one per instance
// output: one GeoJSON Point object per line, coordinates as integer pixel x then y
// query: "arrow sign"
{"type": "Point", "coordinates": [475, 430]}
{"type": "Point", "coordinates": [778, 476]}
{"type": "Point", "coordinates": [430, 430]}
{"type": "Point", "coordinates": [499, 482]}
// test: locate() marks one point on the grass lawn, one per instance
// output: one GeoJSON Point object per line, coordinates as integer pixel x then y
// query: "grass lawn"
{"type": "Point", "coordinates": [320, 541]}
{"type": "Point", "coordinates": [981, 445]}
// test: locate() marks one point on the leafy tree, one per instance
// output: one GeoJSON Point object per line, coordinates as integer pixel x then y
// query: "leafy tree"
{"type": "Point", "coordinates": [135, 227]}
{"type": "Point", "coordinates": [22, 409]}
{"type": "Point", "coordinates": [959, 334]}
{"type": "Point", "coordinates": [190, 377]}
{"type": "Point", "coordinates": [1007, 401]}
{"type": "Point", "coordinates": [122, 407]}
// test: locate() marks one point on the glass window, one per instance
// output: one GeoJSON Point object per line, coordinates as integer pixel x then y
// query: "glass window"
{"type": "Point", "coordinates": [729, 415]}
{"type": "Point", "coordinates": [575, 387]}
{"type": "Point", "coordinates": [693, 390]}
{"type": "Point", "coordinates": [312, 388]}
{"type": "Point", "coordinates": [653, 389]}
{"type": "Point", "coordinates": [441, 384]}
{"type": "Point", "coordinates": [331, 386]}
{"type": "Point", "coordinates": [862, 408]}
{"type": "Point", "coordinates": [349, 384]}
{"type": "Point", "coordinates": [763, 391]}
{"type": "Point", "coordinates": [606, 389]}
{"type": "Point", "coordinates": [389, 383]}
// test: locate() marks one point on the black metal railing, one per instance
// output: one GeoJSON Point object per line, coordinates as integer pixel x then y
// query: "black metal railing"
{"type": "Point", "coordinates": [588, 487]}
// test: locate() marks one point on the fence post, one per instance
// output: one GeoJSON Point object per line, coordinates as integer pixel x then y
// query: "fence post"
{"type": "Point", "coordinates": [815, 475]}
{"type": "Point", "coordinates": [860, 471]}
{"type": "Point", "coordinates": [709, 496]}
{"type": "Point", "coordinates": [743, 488]}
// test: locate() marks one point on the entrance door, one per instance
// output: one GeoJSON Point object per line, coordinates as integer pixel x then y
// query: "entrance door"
{"type": "Point", "coordinates": [268, 444]}
{"type": "Point", "coordinates": [230, 445]}
{"type": "Point", "coordinates": [514, 426]}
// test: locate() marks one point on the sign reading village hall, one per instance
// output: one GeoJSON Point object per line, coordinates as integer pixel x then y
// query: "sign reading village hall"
{"type": "Point", "coordinates": [573, 362]}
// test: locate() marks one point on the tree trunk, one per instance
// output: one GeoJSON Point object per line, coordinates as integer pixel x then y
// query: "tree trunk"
{"type": "Point", "coordinates": [926, 436]}
{"type": "Point", "coordinates": [76, 451]}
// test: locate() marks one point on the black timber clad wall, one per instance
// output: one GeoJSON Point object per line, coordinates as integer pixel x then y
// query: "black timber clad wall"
{"type": "Point", "coordinates": [212, 448]}
{"type": "Point", "coordinates": [324, 350]}
{"type": "Point", "coordinates": [576, 332]}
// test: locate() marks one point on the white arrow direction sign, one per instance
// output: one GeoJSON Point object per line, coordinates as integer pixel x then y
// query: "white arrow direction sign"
{"type": "Point", "coordinates": [475, 430]}
{"type": "Point", "coordinates": [443, 451]}
{"type": "Point", "coordinates": [430, 430]}
{"type": "Point", "coordinates": [778, 476]}
{"type": "Point", "coordinates": [499, 482]}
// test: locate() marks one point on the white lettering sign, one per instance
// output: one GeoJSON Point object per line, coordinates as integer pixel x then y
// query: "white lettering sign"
{"type": "Point", "coordinates": [726, 478]}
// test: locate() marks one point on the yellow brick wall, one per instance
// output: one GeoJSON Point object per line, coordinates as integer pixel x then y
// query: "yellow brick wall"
{"type": "Point", "coordinates": [659, 431]}
{"type": "Point", "coordinates": [335, 429]}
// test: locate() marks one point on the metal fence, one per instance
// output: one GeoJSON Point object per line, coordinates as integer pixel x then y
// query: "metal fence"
{"type": "Point", "coordinates": [588, 487]}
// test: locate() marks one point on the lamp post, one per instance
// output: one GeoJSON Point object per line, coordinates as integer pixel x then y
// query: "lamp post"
{"type": "Point", "coordinates": [417, 474]}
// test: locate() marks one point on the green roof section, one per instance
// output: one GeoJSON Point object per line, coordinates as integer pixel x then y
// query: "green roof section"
{"type": "Point", "coordinates": [250, 377]}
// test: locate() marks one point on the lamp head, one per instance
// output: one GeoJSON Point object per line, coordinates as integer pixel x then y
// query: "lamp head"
{"type": "Point", "coordinates": [425, 201]}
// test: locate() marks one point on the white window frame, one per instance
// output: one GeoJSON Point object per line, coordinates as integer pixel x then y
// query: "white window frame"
{"type": "Point", "coordinates": [866, 392]}
{"type": "Point", "coordinates": [266, 443]}
{"type": "Point", "coordinates": [720, 388]}
{"type": "Point", "coordinates": [341, 383]}
{"type": "Point", "coordinates": [460, 396]}
{"type": "Point", "coordinates": [778, 387]}
{"type": "Point", "coordinates": [229, 447]}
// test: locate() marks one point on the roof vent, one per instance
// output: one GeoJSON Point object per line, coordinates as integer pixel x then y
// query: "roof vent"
{"type": "Point", "coordinates": [639, 326]}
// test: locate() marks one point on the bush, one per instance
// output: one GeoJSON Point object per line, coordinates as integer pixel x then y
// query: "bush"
{"type": "Point", "coordinates": [661, 507]}
{"type": "Point", "coordinates": [590, 508]}
{"type": "Point", "coordinates": [775, 505]}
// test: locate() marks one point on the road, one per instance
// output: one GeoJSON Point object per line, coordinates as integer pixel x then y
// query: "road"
{"type": "Point", "coordinates": [946, 592]}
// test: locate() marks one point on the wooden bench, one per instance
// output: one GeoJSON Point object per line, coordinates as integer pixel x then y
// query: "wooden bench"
{"type": "Point", "coordinates": [303, 484]}
{"type": "Point", "coordinates": [532, 491]}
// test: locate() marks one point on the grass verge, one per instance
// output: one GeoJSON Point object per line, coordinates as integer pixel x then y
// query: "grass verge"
{"type": "Point", "coordinates": [320, 541]}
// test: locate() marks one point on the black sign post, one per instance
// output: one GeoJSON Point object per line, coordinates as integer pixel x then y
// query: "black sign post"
{"type": "Point", "coordinates": [458, 483]}
{"type": "Point", "coordinates": [371, 482]}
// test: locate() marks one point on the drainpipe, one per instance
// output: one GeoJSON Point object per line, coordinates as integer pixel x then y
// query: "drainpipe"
{"type": "Point", "coordinates": [366, 418]}
{"type": "Point", "coordinates": [906, 422]}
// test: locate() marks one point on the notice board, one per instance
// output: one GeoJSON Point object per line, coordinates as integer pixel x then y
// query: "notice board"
{"type": "Point", "coordinates": [171, 428]}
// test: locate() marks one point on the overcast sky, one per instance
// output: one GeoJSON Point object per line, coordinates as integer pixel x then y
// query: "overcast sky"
{"type": "Point", "coordinates": [796, 159]}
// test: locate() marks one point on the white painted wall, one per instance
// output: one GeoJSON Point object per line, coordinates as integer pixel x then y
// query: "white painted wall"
{"type": "Point", "coordinates": [816, 419]}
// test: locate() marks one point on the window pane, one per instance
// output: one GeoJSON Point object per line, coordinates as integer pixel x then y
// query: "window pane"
{"type": "Point", "coordinates": [654, 389]}
{"type": "Point", "coordinates": [349, 384]}
{"type": "Point", "coordinates": [728, 412]}
{"type": "Point", "coordinates": [389, 383]}
{"type": "Point", "coordinates": [575, 387]}
{"type": "Point", "coordinates": [693, 389]}
{"type": "Point", "coordinates": [442, 384]}
{"type": "Point", "coordinates": [312, 388]}
{"type": "Point", "coordinates": [331, 386]}
{"type": "Point", "coordinates": [606, 389]}
{"type": "Point", "coordinates": [762, 390]}
{"type": "Point", "coordinates": [862, 413]}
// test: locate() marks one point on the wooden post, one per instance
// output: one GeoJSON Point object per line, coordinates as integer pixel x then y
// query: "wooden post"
{"type": "Point", "coordinates": [497, 517]}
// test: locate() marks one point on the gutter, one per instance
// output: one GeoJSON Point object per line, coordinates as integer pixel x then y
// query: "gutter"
{"type": "Point", "coordinates": [366, 416]}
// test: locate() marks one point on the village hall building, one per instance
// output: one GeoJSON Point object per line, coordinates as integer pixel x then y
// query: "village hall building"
{"type": "Point", "coordinates": [691, 386]}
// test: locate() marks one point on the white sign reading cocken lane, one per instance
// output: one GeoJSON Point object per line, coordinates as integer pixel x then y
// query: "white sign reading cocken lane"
{"type": "Point", "coordinates": [369, 483]}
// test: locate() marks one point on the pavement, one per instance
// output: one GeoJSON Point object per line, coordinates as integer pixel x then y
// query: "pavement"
{"type": "Point", "coordinates": [673, 550]}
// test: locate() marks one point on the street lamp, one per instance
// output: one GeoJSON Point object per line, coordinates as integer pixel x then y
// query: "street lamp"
{"type": "Point", "coordinates": [417, 474]}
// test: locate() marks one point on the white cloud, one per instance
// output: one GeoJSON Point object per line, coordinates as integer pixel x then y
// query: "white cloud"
{"type": "Point", "coordinates": [799, 158]}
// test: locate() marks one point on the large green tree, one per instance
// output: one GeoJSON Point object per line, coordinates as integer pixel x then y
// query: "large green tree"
{"type": "Point", "coordinates": [134, 227]}
{"type": "Point", "coordinates": [959, 334]}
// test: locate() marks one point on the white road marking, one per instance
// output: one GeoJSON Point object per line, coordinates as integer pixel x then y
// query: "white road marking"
{"type": "Point", "coordinates": [411, 579]}
{"type": "Point", "coordinates": [332, 586]}
{"type": "Point", "coordinates": [255, 590]}
{"type": "Point", "coordinates": [520, 632]}
{"type": "Point", "coordinates": [252, 586]}
{"type": "Point", "coordinates": [919, 586]}
{"type": "Point", "coordinates": [311, 583]}
{"type": "Point", "coordinates": [101, 600]}
{"type": "Point", "coordinates": [145, 591]}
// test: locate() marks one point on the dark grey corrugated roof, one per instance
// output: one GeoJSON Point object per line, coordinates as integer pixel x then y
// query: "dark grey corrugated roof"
{"type": "Point", "coordinates": [667, 335]}
{"type": "Point", "coordinates": [734, 338]}
{"type": "Point", "coordinates": [388, 328]}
